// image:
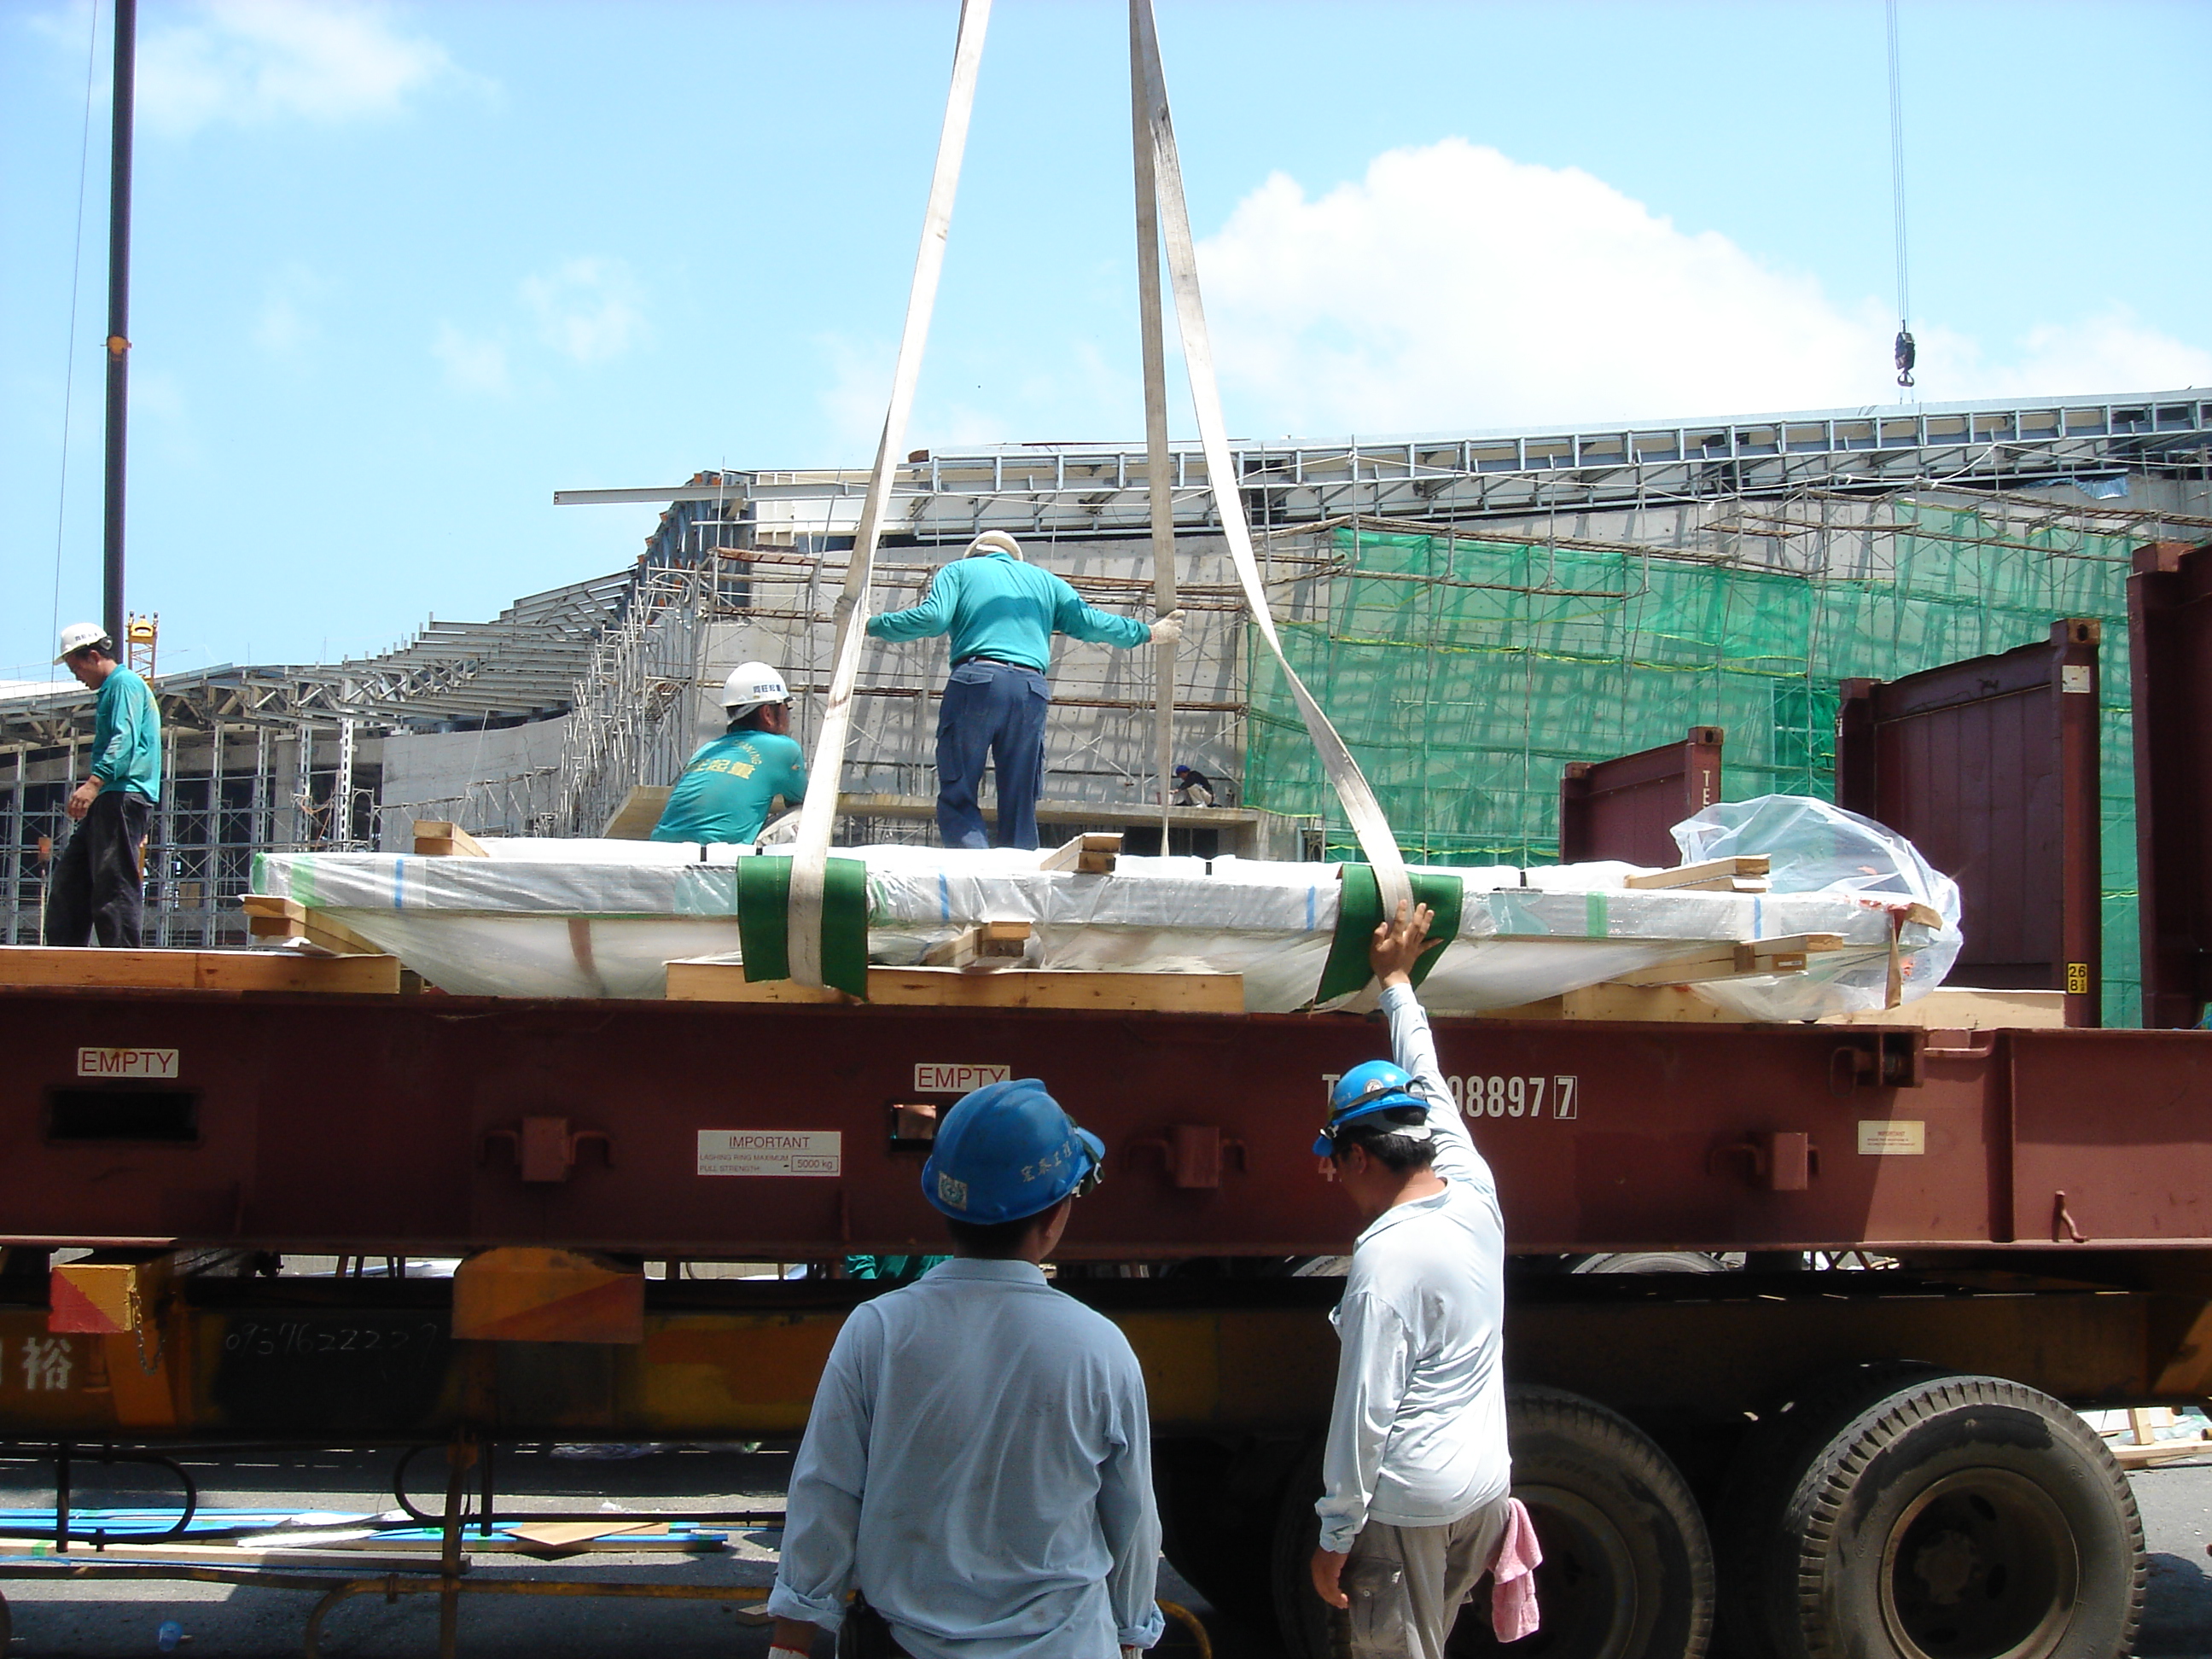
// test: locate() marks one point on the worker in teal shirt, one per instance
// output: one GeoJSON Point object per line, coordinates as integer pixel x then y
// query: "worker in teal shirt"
{"type": "Point", "coordinates": [99, 886]}
{"type": "Point", "coordinates": [729, 785]}
{"type": "Point", "coordinates": [1002, 615]}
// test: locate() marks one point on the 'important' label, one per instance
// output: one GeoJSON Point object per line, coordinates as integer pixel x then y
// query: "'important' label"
{"type": "Point", "coordinates": [126, 1062]}
{"type": "Point", "coordinates": [771, 1152]}
{"type": "Point", "coordinates": [1892, 1137]}
{"type": "Point", "coordinates": [940, 1080]}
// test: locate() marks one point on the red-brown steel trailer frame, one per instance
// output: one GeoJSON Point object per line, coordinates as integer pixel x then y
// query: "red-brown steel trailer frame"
{"type": "Point", "coordinates": [421, 1125]}
{"type": "Point", "coordinates": [1623, 808]}
{"type": "Point", "coordinates": [2170, 663]}
{"type": "Point", "coordinates": [1989, 767]}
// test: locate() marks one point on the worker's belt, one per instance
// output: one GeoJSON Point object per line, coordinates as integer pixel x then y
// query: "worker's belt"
{"type": "Point", "coordinates": [1003, 662]}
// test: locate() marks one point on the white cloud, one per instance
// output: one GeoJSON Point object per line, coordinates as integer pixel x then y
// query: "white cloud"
{"type": "Point", "coordinates": [858, 389]}
{"type": "Point", "coordinates": [285, 325]}
{"type": "Point", "coordinates": [586, 309]}
{"type": "Point", "coordinates": [1453, 287]}
{"type": "Point", "coordinates": [248, 61]}
{"type": "Point", "coordinates": [470, 364]}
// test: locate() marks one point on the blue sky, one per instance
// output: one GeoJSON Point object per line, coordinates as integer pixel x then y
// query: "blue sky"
{"type": "Point", "coordinates": [402, 271]}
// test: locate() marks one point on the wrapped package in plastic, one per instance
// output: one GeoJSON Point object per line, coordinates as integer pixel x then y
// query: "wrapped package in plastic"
{"type": "Point", "coordinates": [1812, 847]}
{"type": "Point", "coordinates": [525, 920]}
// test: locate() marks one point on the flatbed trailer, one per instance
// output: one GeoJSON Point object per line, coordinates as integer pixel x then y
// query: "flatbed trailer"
{"type": "Point", "coordinates": [1856, 1442]}
{"type": "Point", "coordinates": [2040, 1201]}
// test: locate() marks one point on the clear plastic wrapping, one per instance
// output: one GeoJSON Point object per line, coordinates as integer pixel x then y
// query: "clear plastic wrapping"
{"type": "Point", "coordinates": [1815, 848]}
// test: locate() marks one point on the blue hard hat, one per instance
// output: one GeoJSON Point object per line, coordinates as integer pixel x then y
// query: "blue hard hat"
{"type": "Point", "coordinates": [1007, 1150]}
{"type": "Point", "coordinates": [1371, 1086]}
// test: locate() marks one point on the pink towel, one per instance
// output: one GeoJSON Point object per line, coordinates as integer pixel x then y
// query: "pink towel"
{"type": "Point", "coordinates": [1513, 1611]}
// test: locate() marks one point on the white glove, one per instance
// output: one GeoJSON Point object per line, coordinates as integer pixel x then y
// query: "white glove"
{"type": "Point", "coordinates": [1169, 629]}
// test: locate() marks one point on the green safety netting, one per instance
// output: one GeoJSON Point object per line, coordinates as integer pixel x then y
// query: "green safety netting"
{"type": "Point", "coordinates": [1465, 674]}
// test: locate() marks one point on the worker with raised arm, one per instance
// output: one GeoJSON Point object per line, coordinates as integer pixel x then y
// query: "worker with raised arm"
{"type": "Point", "coordinates": [99, 886]}
{"type": "Point", "coordinates": [728, 788]}
{"type": "Point", "coordinates": [977, 1464]}
{"type": "Point", "coordinates": [1002, 614]}
{"type": "Point", "coordinates": [1416, 1501]}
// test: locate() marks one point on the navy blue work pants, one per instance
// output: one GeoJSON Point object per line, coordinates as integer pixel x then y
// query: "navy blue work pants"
{"type": "Point", "coordinates": [97, 891]}
{"type": "Point", "coordinates": [992, 711]}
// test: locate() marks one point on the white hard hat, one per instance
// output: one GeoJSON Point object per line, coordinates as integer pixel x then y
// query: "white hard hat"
{"type": "Point", "coordinates": [78, 635]}
{"type": "Point", "coordinates": [993, 541]}
{"type": "Point", "coordinates": [750, 685]}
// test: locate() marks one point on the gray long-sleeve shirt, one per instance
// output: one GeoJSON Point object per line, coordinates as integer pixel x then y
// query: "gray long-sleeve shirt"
{"type": "Point", "coordinates": [978, 1464]}
{"type": "Point", "coordinates": [1417, 1434]}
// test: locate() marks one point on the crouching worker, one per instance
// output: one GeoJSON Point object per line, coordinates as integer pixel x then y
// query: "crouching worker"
{"type": "Point", "coordinates": [729, 786]}
{"type": "Point", "coordinates": [978, 1461]}
{"type": "Point", "coordinates": [1416, 1506]}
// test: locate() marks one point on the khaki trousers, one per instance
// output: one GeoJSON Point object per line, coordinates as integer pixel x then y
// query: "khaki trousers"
{"type": "Point", "coordinates": [1406, 1583]}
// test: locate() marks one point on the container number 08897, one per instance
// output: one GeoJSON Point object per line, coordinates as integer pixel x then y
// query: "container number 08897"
{"type": "Point", "coordinates": [1515, 1097]}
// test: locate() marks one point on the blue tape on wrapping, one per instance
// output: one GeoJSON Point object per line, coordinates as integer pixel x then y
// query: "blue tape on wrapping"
{"type": "Point", "coordinates": [1309, 909]}
{"type": "Point", "coordinates": [399, 883]}
{"type": "Point", "coordinates": [944, 897]}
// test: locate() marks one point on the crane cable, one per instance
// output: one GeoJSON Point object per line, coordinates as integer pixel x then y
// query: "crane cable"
{"type": "Point", "coordinates": [1905, 352]}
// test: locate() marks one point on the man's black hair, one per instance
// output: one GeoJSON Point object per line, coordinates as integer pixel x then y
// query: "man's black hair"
{"type": "Point", "coordinates": [1000, 1240]}
{"type": "Point", "coordinates": [1377, 1136]}
{"type": "Point", "coordinates": [751, 719]}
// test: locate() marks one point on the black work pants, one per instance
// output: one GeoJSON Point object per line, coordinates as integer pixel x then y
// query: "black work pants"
{"type": "Point", "coordinates": [97, 887]}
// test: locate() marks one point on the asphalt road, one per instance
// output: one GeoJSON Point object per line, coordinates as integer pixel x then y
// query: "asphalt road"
{"type": "Point", "coordinates": [245, 1623]}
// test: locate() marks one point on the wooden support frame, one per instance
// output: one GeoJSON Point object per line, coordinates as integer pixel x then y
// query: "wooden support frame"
{"type": "Point", "coordinates": [269, 916]}
{"type": "Point", "coordinates": [29, 965]}
{"type": "Point", "coordinates": [953, 987]}
{"type": "Point", "coordinates": [1751, 959]}
{"type": "Point", "coordinates": [436, 838]}
{"type": "Point", "coordinates": [1744, 874]}
{"type": "Point", "coordinates": [986, 945]}
{"type": "Point", "coordinates": [1087, 855]}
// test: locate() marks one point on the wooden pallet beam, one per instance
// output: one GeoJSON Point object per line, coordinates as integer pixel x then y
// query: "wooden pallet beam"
{"type": "Point", "coordinates": [952, 988]}
{"type": "Point", "coordinates": [269, 916]}
{"type": "Point", "coordinates": [199, 970]}
{"type": "Point", "coordinates": [1714, 876]}
{"type": "Point", "coordinates": [1087, 855]}
{"type": "Point", "coordinates": [436, 838]}
{"type": "Point", "coordinates": [988, 945]}
{"type": "Point", "coordinates": [1754, 958]}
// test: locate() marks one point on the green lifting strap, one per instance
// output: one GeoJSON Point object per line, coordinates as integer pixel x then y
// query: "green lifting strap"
{"type": "Point", "coordinates": [763, 909]}
{"type": "Point", "coordinates": [1359, 911]}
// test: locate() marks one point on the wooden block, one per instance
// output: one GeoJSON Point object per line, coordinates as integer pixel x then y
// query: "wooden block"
{"type": "Point", "coordinates": [1753, 958]}
{"type": "Point", "coordinates": [1697, 876]}
{"type": "Point", "coordinates": [1088, 855]}
{"type": "Point", "coordinates": [435, 838]}
{"type": "Point", "coordinates": [1008, 987]}
{"type": "Point", "coordinates": [1674, 1004]}
{"type": "Point", "coordinates": [986, 945]}
{"type": "Point", "coordinates": [526, 1294]}
{"type": "Point", "coordinates": [269, 916]}
{"type": "Point", "coordinates": [199, 970]}
{"type": "Point", "coordinates": [2157, 1452]}
{"type": "Point", "coordinates": [1962, 1008]}
{"type": "Point", "coordinates": [635, 818]}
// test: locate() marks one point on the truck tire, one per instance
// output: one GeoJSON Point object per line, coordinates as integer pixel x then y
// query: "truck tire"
{"type": "Point", "coordinates": [1937, 1516]}
{"type": "Point", "coordinates": [1657, 1262]}
{"type": "Point", "coordinates": [1627, 1573]}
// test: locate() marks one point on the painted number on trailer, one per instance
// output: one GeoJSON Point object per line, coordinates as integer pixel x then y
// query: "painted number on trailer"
{"type": "Point", "coordinates": [1515, 1097]}
{"type": "Point", "coordinates": [126, 1062]}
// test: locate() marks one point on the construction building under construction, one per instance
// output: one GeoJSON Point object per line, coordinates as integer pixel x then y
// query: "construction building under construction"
{"type": "Point", "coordinates": [1475, 612]}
